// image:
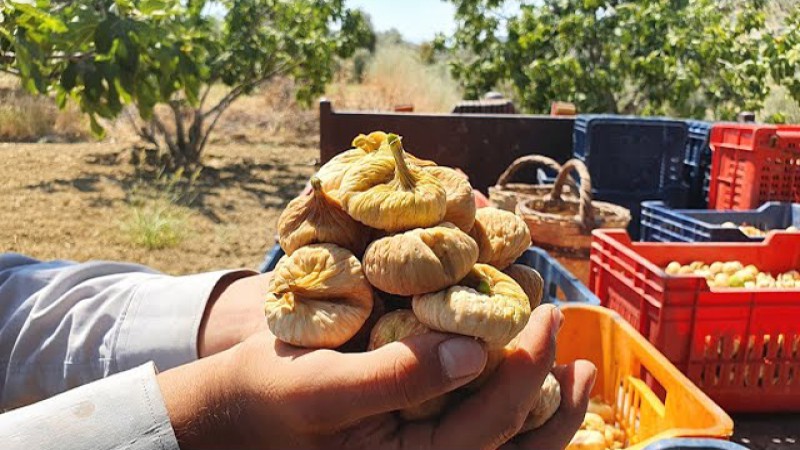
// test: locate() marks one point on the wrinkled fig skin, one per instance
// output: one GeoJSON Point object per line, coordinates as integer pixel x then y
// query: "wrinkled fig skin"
{"type": "Point", "coordinates": [389, 193]}
{"type": "Point", "coordinates": [421, 260]}
{"type": "Point", "coordinates": [374, 140]}
{"type": "Point", "coordinates": [318, 297]}
{"type": "Point", "coordinates": [318, 219]}
{"type": "Point", "coordinates": [502, 236]}
{"type": "Point", "coordinates": [331, 173]}
{"type": "Point", "coordinates": [529, 280]}
{"type": "Point", "coordinates": [460, 198]}
{"type": "Point", "coordinates": [546, 404]}
{"type": "Point", "coordinates": [396, 326]}
{"type": "Point", "coordinates": [486, 304]}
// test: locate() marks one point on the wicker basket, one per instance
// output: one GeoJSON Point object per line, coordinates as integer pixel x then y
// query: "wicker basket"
{"type": "Point", "coordinates": [564, 223]}
{"type": "Point", "coordinates": [505, 195]}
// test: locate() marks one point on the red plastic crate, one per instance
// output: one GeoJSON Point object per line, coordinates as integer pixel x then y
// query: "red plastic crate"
{"type": "Point", "coordinates": [752, 164]}
{"type": "Point", "coordinates": [740, 346]}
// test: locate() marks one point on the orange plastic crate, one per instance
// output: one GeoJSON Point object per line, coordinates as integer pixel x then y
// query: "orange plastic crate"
{"type": "Point", "coordinates": [624, 359]}
{"type": "Point", "coordinates": [752, 164]}
{"type": "Point", "coordinates": [740, 346]}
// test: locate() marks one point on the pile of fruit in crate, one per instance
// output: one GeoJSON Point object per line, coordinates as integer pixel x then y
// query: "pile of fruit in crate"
{"type": "Point", "coordinates": [380, 223]}
{"type": "Point", "coordinates": [597, 432]}
{"type": "Point", "coordinates": [733, 274]}
{"type": "Point", "coordinates": [752, 231]}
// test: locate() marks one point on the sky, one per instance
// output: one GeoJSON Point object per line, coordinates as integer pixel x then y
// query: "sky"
{"type": "Point", "coordinates": [417, 20]}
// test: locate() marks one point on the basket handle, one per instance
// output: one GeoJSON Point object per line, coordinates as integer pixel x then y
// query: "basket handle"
{"type": "Point", "coordinates": [525, 161]}
{"type": "Point", "coordinates": [585, 208]}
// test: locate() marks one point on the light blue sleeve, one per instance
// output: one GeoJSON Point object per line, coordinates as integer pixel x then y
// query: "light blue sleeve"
{"type": "Point", "coordinates": [64, 325]}
{"type": "Point", "coordinates": [123, 411]}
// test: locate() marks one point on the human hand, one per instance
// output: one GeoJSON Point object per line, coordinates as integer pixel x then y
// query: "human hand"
{"type": "Point", "coordinates": [235, 311]}
{"type": "Point", "coordinates": [266, 394]}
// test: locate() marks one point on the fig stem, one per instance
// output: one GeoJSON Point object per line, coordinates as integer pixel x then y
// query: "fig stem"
{"type": "Point", "coordinates": [484, 287]}
{"type": "Point", "coordinates": [316, 185]}
{"type": "Point", "coordinates": [401, 168]}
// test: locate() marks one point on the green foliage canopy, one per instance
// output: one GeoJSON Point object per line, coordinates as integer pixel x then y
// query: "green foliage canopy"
{"type": "Point", "coordinates": [682, 57]}
{"type": "Point", "coordinates": [109, 53]}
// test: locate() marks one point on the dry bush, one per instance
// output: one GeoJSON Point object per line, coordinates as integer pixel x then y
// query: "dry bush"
{"type": "Point", "coordinates": [396, 76]}
{"type": "Point", "coordinates": [26, 118]}
{"type": "Point", "coordinates": [779, 104]}
{"type": "Point", "coordinates": [271, 114]}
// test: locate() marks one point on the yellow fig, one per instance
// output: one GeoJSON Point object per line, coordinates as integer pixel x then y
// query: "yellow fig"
{"type": "Point", "coordinates": [461, 207]}
{"type": "Point", "coordinates": [318, 297]}
{"type": "Point", "coordinates": [502, 236]}
{"type": "Point", "coordinates": [421, 260]}
{"type": "Point", "coordinates": [529, 280]}
{"type": "Point", "coordinates": [389, 193]}
{"type": "Point", "coordinates": [318, 218]}
{"type": "Point", "coordinates": [486, 304]}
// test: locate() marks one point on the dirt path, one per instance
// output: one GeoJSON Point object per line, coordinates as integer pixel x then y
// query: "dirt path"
{"type": "Point", "coordinates": [67, 201]}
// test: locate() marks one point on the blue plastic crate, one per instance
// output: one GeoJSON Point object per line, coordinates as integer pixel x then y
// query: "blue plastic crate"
{"type": "Point", "coordinates": [673, 196]}
{"type": "Point", "coordinates": [697, 163]}
{"type": "Point", "coordinates": [633, 154]}
{"type": "Point", "coordinates": [660, 223]}
{"type": "Point", "coordinates": [560, 285]}
{"type": "Point", "coordinates": [694, 444]}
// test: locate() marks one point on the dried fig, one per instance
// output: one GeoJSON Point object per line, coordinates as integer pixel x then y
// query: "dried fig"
{"type": "Point", "coordinates": [396, 326]}
{"type": "Point", "coordinates": [388, 192]}
{"type": "Point", "coordinates": [331, 172]}
{"type": "Point", "coordinates": [318, 297]}
{"type": "Point", "coordinates": [529, 280]}
{"type": "Point", "coordinates": [546, 404]}
{"type": "Point", "coordinates": [486, 304]}
{"type": "Point", "coordinates": [373, 141]}
{"type": "Point", "coordinates": [502, 236]}
{"type": "Point", "coordinates": [587, 440]}
{"type": "Point", "coordinates": [421, 260]}
{"type": "Point", "coordinates": [318, 218]}
{"type": "Point", "coordinates": [460, 209]}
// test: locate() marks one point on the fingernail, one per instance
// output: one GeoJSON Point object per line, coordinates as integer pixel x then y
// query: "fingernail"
{"type": "Point", "coordinates": [558, 321]}
{"type": "Point", "coordinates": [461, 357]}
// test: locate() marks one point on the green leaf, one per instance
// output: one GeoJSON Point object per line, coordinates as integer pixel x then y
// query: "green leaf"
{"type": "Point", "coordinates": [95, 126]}
{"type": "Point", "coordinates": [104, 35]}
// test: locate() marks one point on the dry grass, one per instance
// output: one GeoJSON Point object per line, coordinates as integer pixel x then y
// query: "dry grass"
{"type": "Point", "coordinates": [396, 76]}
{"type": "Point", "coordinates": [26, 118]}
{"type": "Point", "coordinates": [66, 201]}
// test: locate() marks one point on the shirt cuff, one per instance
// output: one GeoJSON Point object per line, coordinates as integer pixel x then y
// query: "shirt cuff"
{"type": "Point", "coordinates": [163, 319]}
{"type": "Point", "coordinates": [125, 410]}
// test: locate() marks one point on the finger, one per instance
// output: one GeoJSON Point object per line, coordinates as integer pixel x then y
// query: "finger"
{"type": "Point", "coordinates": [503, 403]}
{"type": "Point", "coordinates": [398, 375]}
{"type": "Point", "coordinates": [577, 380]}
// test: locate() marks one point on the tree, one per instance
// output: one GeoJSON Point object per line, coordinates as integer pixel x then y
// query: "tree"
{"type": "Point", "coordinates": [106, 54]}
{"type": "Point", "coordinates": [684, 57]}
{"type": "Point", "coordinates": [783, 53]}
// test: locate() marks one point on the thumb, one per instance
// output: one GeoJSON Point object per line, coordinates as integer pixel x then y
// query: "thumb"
{"type": "Point", "coordinates": [404, 374]}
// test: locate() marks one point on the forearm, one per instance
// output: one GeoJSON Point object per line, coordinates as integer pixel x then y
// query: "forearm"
{"type": "Point", "coordinates": [122, 411]}
{"type": "Point", "coordinates": [64, 324]}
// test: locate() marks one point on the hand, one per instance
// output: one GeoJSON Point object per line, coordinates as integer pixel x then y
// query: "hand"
{"type": "Point", "coordinates": [235, 311]}
{"type": "Point", "coordinates": [265, 394]}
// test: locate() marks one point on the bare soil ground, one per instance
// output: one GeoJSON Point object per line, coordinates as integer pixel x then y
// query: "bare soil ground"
{"type": "Point", "coordinates": [67, 201]}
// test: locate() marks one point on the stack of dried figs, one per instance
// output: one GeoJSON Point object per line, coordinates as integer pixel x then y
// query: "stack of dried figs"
{"type": "Point", "coordinates": [383, 230]}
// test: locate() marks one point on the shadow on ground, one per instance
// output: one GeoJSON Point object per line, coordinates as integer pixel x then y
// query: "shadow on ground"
{"type": "Point", "coordinates": [271, 184]}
